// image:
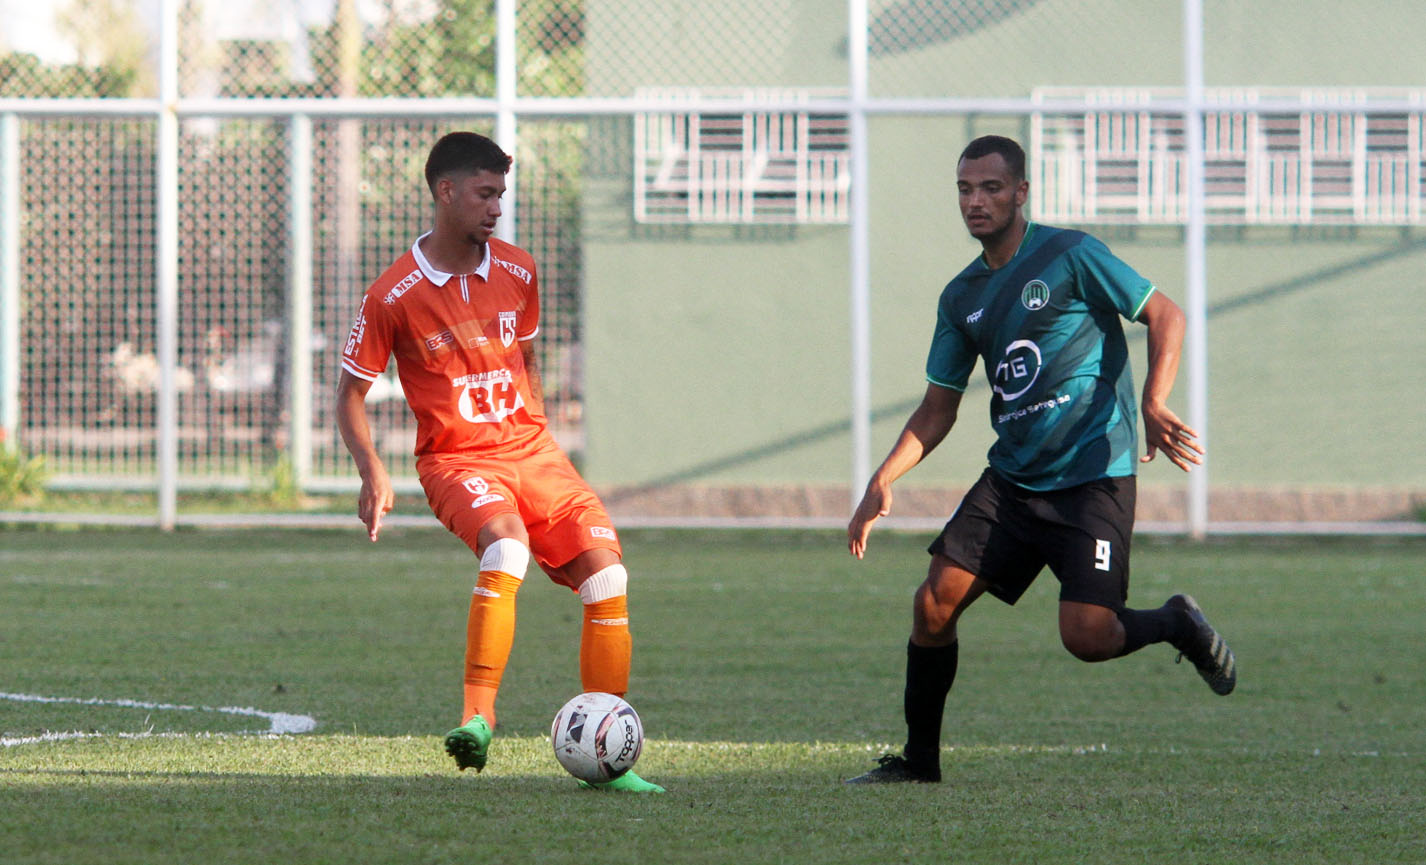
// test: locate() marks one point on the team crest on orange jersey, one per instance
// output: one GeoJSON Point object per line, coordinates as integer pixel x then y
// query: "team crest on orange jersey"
{"type": "Point", "coordinates": [480, 488]}
{"type": "Point", "coordinates": [507, 328]}
{"type": "Point", "coordinates": [477, 485]}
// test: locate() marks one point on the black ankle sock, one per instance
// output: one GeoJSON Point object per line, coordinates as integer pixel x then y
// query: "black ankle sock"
{"type": "Point", "coordinates": [930, 672]}
{"type": "Point", "coordinates": [1143, 627]}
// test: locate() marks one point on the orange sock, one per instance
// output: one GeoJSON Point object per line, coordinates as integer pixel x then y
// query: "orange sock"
{"type": "Point", "coordinates": [490, 631]}
{"type": "Point", "coordinates": [605, 645]}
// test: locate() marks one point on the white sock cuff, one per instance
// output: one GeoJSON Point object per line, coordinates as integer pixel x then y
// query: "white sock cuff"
{"type": "Point", "coordinates": [508, 556]}
{"type": "Point", "coordinates": [611, 582]}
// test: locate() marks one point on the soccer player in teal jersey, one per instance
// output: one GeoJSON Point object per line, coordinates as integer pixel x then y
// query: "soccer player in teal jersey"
{"type": "Point", "coordinates": [1041, 307]}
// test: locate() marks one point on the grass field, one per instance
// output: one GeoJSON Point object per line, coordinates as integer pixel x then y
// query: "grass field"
{"type": "Point", "coordinates": [767, 669]}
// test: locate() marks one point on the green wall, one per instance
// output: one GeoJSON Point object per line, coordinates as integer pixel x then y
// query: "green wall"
{"type": "Point", "coordinates": [721, 355]}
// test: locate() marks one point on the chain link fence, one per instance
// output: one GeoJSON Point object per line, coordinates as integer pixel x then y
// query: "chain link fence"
{"type": "Point", "coordinates": [684, 179]}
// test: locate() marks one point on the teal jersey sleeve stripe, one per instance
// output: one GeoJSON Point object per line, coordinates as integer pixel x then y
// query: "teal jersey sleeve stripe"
{"type": "Point", "coordinates": [1145, 299]}
{"type": "Point", "coordinates": [947, 386]}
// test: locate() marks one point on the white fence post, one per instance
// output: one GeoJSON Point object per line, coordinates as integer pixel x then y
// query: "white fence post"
{"type": "Point", "coordinates": [9, 277]}
{"type": "Point", "coordinates": [506, 77]}
{"type": "Point", "coordinates": [299, 299]}
{"type": "Point", "coordinates": [166, 307]}
{"type": "Point", "coordinates": [860, 251]}
{"type": "Point", "coordinates": [1196, 251]}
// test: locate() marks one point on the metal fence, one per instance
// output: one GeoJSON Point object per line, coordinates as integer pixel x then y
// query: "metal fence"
{"type": "Point", "coordinates": [192, 200]}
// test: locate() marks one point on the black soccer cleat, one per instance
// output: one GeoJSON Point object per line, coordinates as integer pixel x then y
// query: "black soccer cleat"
{"type": "Point", "coordinates": [896, 769]}
{"type": "Point", "coordinates": [1206, 648]}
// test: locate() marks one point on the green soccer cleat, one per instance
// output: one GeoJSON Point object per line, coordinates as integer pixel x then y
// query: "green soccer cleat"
{"type": "Point", "coordinates": [625, 783]}
{"type": "Point", "coordinates": [468, 744]}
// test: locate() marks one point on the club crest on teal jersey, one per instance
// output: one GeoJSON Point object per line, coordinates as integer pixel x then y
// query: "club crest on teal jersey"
{"type": "Point", "coordinates": [1035, 294]}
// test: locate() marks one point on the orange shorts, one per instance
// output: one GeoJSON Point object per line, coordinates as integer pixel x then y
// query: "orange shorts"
{"type": "Point", "coordinates": [561, 513]}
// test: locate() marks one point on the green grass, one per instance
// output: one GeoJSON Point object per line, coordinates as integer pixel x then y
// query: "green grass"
{"type": "Point", "coordinates": [767, 669]}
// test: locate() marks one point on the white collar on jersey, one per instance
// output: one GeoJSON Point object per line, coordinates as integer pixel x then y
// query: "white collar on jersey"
{"type": "Point", "coordinates": [439, 277]}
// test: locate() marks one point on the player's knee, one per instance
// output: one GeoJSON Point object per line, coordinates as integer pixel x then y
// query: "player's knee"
{"type": "Point", "coordinates": [610, 582]}
{"type": "Point", "coordinates": [506, 556]}
{"type": "Point", "coordinates": [1090, 643]}
{"type": "Point", "coordinates": [934, 620]}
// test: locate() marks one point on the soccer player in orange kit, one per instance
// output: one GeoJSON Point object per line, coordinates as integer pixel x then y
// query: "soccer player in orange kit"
{"type": "Point", "coordinates": [460, 311]}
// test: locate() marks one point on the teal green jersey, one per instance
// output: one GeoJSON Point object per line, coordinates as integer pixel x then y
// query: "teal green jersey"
{"type": "Point", "coordinates": [1047, 327]}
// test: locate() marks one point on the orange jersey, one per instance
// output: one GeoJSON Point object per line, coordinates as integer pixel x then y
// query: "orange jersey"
{"type": "Point", "coordinates": [456, 339]}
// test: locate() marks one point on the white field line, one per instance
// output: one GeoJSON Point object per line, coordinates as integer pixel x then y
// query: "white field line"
{"type": "Point", "coordinates": [278, 722]}
{"type": "Point", "coordinates": [726, 747]}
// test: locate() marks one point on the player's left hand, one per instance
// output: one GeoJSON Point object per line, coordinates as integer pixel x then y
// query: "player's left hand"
{"type": "Point", "coordinates": [1163, 431]}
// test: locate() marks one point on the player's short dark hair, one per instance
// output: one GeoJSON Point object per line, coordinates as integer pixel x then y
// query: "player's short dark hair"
{"type": "Point", "coordinates": [1008, 148]}
{"type": "Point", "coordinates": [464, 153]}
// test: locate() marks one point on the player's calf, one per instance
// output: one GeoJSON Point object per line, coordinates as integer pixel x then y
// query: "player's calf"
{"type": "Point", "coordinates": [605, 644]}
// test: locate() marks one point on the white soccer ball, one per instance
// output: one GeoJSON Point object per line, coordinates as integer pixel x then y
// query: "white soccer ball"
{"type": "Point", "coordinates": [597, 736]}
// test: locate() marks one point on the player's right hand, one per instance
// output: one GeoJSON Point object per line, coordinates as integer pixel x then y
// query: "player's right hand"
{"type": "Point", "coordinates": [375, 501]}
{"type": "Point", "coordinates": [876, 503]}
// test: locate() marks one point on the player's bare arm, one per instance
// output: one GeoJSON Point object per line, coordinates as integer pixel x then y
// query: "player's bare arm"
{"type": "Point", "coordinates": [377, 496]}
{"type": "Point", "coordinates": [924, 430]}
{"type": "Point", "coordinates": [532, 374]}
{"type": "Point", "coordinates": [1163, 431]}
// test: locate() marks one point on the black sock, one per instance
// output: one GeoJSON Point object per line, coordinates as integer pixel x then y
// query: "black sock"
{"type": "Point", "coordinates": [930, 671]}
{"type": "Point", "coordinates": [1143, 627]}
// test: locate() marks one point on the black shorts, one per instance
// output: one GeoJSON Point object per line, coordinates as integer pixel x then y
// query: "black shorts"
{"type": "Point", "coordinates": [1006, 534]}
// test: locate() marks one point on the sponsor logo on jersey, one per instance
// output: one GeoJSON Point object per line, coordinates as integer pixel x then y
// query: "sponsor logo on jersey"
{"type": "Point", "coordinates": [516, 270]}
{"type": "Point", "coordinates": [402, 287]}
{"type": "Point", "coordinates": [488, 397]}
{"type": "Point", "coordinates": [975, 316]}
{"type": "Point", "coordinates": [507, 328]}
{"type": "Point", "coordinates": [1034, 295]}
{"type": "Point", "coordinates": [358, 330]}
{"type": "Point", "coordinates": [1034, 408]}
{"type": "Point", "coordinates": [1017, 371]}
{"type": "Point", "coordinates": [601, 532]}
{"type": "Point", "coordinates": [482, 501]}
{"type": "Point", "coordinates": [465, 333]}
{"type": "Point", "coordinates": [445, 337]}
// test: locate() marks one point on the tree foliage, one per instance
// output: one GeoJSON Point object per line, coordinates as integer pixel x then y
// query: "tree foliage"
{"type": "Point", "coordinates": [25, 75]}
{"type": "Point", "coordinates": [452, 52]}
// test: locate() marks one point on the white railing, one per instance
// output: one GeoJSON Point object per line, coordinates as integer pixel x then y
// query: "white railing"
{"type": "Point", "coordinates": [788, 165]}
{"type": "Point", "coordinates": [1331, 158]}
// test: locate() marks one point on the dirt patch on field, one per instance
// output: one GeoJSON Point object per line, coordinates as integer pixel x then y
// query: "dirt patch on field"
{"type": "Point", "coordinates": [1155, 505]}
